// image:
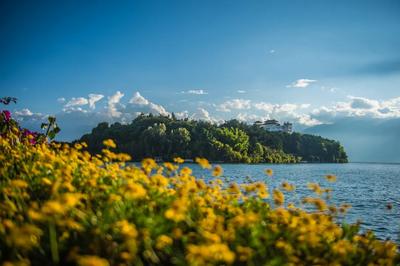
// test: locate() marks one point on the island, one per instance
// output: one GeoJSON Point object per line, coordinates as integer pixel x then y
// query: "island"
{"type": "Point", "coordinates": [166, 137]}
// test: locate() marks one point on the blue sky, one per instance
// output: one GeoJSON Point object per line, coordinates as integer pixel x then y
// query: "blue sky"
{"type": "Point", "coordinates": [308, 62]}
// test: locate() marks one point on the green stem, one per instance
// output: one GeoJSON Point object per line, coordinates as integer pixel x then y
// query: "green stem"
{"type": "Point", "coordinates": [53, 243]}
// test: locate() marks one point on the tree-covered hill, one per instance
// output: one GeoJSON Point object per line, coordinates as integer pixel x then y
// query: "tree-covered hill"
{"type": "Point", "coordinates": [233, 141]}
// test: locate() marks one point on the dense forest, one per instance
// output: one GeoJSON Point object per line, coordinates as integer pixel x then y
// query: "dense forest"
{"type": "Point", "coordinates": [167, 137]}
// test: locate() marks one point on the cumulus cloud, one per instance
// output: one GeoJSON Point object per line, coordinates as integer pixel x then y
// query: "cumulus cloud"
{"type": "Point", "coordinates": [251, 118]}
{"type": "Point", "coordinates": [140, 104]}
{"type": "Point", "coordinates": [359, 107]}
{"type": "Point", "coordinates": [198, 92]}
{"type": "Point", "coordinates": [26, 114]}
{"type": "Point", "coordinates": [182, 115]}
{"type": "Point", "coordinates": [93, 98]}
{"type": "Point", "coordinates": [138, 99]}
{"type": "Point", "coordinates": [236, 104]}
{"type": "Point", "coordinates": [363, 103]}
{"type": "Point", "coordinates": [113, 104]}
{"type": "Point", "coordinates": [301, 83]}
{"type": "Point", "coordinates": [203, 114]}
{"type": "Point", "coordinates": [288, 111]}
{"type": "Point", "coordinates": [76, 102]}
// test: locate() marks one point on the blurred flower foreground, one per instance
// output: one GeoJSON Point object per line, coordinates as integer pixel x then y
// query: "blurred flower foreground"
{"type": "Point", "coordinates": [62, 206]}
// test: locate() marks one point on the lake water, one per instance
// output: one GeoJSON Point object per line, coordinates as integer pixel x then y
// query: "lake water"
{"type": "Point", "coordinates": [367, 187]}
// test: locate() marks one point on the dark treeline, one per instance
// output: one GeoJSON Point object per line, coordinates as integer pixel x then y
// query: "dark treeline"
{"type": "Point", "coordinates": [234, 141]}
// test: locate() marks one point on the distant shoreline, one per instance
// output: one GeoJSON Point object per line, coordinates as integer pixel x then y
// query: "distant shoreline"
{"type": "Point", "coordinates": [376, 162]}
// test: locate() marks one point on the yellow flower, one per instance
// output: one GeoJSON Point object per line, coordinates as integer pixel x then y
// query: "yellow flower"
{"type": "Point", "coordinates": [320, 204]}
{"type": "Point", "coordinates": [78, 146]}
{"type": "Point", "coordinates": [35, 216]}
{"type": "Point", "coordinates": [269, 172]}
{"type": "Point", "coordinates": [134, 190]}
{"type": "Point", "coordinates": [217, 171]}
{"type": "Point", "coordinates": [286, 247]}
{"type": "Point", "coordinates": [178, 160]}
{"type": "Point", "coordinates": [163, 241]}
{"type": "Point", "coordinates": [91, 261]}
{"type": "Point", "coordinates": [279, 198]}
{"type": "Point", "coordinates": [330, 178]}
{"type": "Point", "coordinates": [315, 187]}
{"type": "Point", "coordinates": [288, 187]}
{"type": "Point", "coordinates": [234, 188]}
{"type": "Point", "coordinates": [25, 237]}
{"type": "Point", "coordinates": [123, 157]}
{"type": "Point", "coordinates": [127, 229]}
{"type": "Point", "coordinates": [344, 207]}
{"type": "Point", "coordinates": [109, 143]}
{"type": "Point", "coordinates": [171, 167]}
{"type": "Point", "coordinates": [19, 183]}
{"type": "Point", "coordinates": [186, 171]}
{"type": "Point", "coordinates": [209, 254]}
{"type": "Point", "coordinates": [245, 253]}
{"type": "Point", "coordinates": [46, 181]}
{"type": "Point", "coordinates": [71, 199]}
{"type": "Point", "coordinates": [203, 163]}
{"type": "Point", "coordinates": [148, 164]}
{"type": "Point", "coordinates": [53, 207]}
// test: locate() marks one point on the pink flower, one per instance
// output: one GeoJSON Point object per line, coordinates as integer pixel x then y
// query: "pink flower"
{"type": "Point", "coordinates": [7, 115]}
{"type": "Point", "coordinates": [30, 135]}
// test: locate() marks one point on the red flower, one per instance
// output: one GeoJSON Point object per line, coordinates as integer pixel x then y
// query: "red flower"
{"type": "Point", "coordinates": [7, 115]}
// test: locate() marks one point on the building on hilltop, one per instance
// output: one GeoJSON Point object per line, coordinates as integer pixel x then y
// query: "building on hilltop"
{"type": "Point", "coordinates": [274, 126]}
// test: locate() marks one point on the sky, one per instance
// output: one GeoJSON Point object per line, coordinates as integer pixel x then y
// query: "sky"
{"type": "Point", "coordinates": [307, 62]}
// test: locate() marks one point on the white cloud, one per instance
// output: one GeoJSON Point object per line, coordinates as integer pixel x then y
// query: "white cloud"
{"type": "Point", "coordinates": [241, 91]}
{"type": "Point", "coordinates": [140, 104]}
{"type": "Point", "coordinates": [138, 99]}
{"type": "Point", "coordinates": [359, 107]}
{"type": "Point", "coordinates": [182, 115]}
{"type": "Point", "coordinates": [301, 83]}
{"type": "Point", "coordinates": [75, 104]}
{"type": "Point", "coordinates": [203, 114]}
{"type": "Point", "coordinates": [363, 103]}
{"type": "Point", "coordinates": [27, 115]}
{"type": "Point", "coordinates": [251, 118]}
{"type": "Point", "coordinates": [237, 104]}
{"type": "Point", "coordinates": [198, 92]}
{"type": "Point", "coordinates": [61, 100]}
{"type": "Point", "coordinates": [24, 112]}
{"type": "Point", "coordinates": [113, 104]}
{"type": "Point", "coordinates": [263, 106]}
{"type": "Point", "coordinates": [288, 111]}
{"type": "Point", "coordinates": [93, 98]}
{"type": "Point", "coordinates": [80, 101]}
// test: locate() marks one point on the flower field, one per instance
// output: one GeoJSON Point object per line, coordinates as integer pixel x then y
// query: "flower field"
{"type": "Point", "coordinates": [60, 205]}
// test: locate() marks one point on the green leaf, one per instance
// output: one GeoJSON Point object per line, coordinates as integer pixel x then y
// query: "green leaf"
{"type": "Point", "coordinates": [52, 134]}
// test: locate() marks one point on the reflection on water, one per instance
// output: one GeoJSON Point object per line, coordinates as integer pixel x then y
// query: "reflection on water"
{"type": "Point", "coordinates": [367, 187]}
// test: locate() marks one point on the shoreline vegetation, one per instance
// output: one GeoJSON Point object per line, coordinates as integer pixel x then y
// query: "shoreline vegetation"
{"type": "Point", "coordinates": [165, 138]}
{"type": "Point", "coordinates": [60, 205]}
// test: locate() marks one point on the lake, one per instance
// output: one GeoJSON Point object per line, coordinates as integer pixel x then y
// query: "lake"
{"type": "Point", "coordinates": [368, 187]}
